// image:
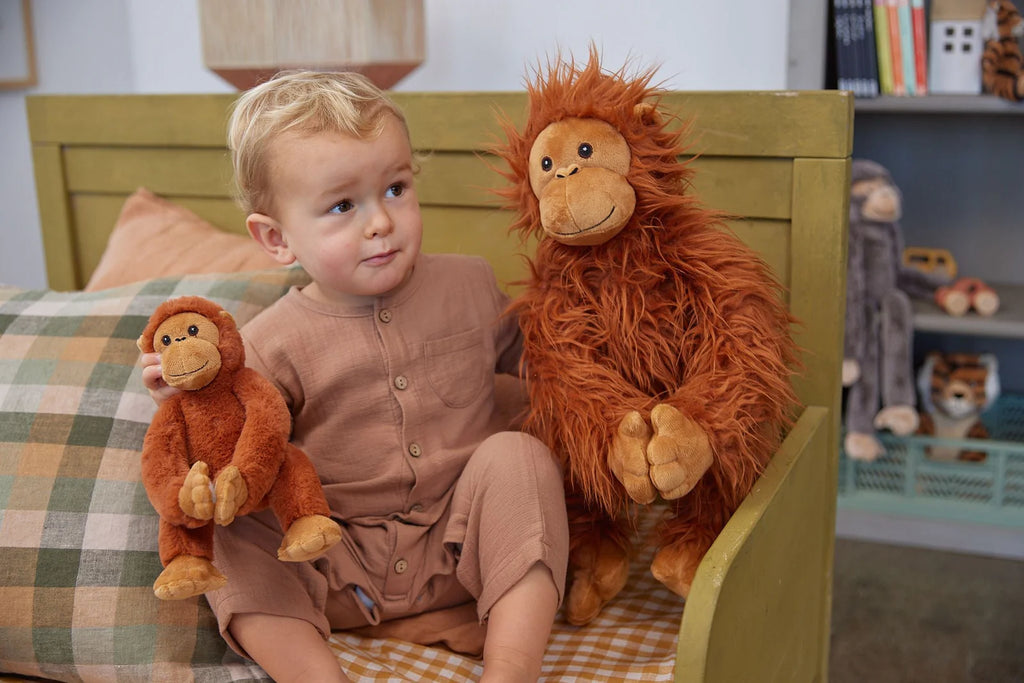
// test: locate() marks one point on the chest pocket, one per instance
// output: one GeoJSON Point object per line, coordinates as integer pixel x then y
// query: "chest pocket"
{"type": "Point", "coordinates": [457, 367]}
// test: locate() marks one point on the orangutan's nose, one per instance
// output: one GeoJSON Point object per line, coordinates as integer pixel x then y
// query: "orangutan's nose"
{"type": "Point", "coordinates": [567, 171]}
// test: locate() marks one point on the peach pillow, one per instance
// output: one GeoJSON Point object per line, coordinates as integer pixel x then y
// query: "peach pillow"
{"type": "Point", "coordinates": [154, 237]}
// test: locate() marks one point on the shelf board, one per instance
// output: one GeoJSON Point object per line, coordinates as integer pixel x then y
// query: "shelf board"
{"type": "Point", "coordinates": [938, 104]}
{"type": "Point", "coordinates": [1008, 321]}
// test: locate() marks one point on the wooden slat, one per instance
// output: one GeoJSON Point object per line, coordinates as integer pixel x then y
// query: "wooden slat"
{"type": "Point", "coordinates": [771, 240]}
{"type": "Point", "coordinates": [820, 224]}
{"type": "Point", "coordinates": [747, 187]}
{"type": "Point", "coordinates": [754, 188]}
{"type": "Point", "coordinates": [485, 232]}
{"type": "Point", "coordinates": [741, 622]}
{"type": "Point", "coordinates": [819, 277]}
{"type": "Point", "coordinates": [56, 222]}
{"type": "Point", "coordinates": [771, 124]}
{"type": "Point", "coordinates": [475, 231]}
{"type": "Point", "coordinates": [166, 171]}
{"type": "Point", "coordinates": [156, 120]}
{"type": "Point", "coordinates": [95, 216]}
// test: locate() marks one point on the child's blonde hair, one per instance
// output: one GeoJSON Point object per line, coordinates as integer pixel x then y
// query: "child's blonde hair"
{"type": "Point", "coordinates": [306, 102]}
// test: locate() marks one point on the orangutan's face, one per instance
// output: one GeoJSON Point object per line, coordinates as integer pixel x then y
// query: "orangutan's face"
{"type": "Point", "coordinates": [578, 171]}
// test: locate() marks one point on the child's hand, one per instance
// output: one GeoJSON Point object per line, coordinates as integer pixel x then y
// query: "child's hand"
{"type": "Point", "coordinates": [152, 378]}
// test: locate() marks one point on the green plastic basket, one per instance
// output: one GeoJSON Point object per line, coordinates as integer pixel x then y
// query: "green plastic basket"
{"type": "Point", "coordinates": [906, 481]}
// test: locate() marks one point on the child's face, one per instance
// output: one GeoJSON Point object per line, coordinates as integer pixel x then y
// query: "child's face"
{"type": "Point", "coordinates": [346, 209]}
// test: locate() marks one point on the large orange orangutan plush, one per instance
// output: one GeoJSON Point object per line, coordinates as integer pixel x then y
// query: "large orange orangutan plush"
{"type": "Point", "coordinates": [657, 349]}
{"type": "Point", "coordinates": [220, 449]}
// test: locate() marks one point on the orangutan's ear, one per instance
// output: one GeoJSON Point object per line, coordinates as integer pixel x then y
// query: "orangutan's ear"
{"type": "Point", "coordinates": [647, 114]}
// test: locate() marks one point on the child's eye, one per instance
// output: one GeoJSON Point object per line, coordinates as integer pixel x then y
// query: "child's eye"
{"type": "Point", "coordinates": [344, 206]}
{"type": "Point", "coordinates": [396, 190]}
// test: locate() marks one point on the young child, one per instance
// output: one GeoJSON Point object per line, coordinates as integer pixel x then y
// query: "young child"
{"type": "Point", "coordinates": [387, 362]}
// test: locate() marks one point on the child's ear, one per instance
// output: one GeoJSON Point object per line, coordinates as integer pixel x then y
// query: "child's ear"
{"type": "Point", "coordinates": [267, 233]}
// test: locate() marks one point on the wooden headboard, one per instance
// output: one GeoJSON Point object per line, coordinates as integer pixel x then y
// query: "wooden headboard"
{"type": "Point", "coordinates": [781, 160]}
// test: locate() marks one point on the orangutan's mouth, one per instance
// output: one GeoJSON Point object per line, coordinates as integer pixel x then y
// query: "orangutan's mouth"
{"type": "Point", "coordinates": [592, 227]}
{"type": "Point", "coordinates": [191, 372]}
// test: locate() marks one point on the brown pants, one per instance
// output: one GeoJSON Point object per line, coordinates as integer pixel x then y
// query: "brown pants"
{"type": "Point", "coordinates": [506, 513]}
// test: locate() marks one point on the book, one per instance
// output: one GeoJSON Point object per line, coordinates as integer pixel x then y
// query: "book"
{"type": "Point", "coordinates": [844, 46]}
{"type": "Point", "coordinates": [870, 51]}
{"type": "Point", "coordinates": [907, 47]}
{"type": "Point", "coordinates": [882, 47]}
{"type": "Point", "coordinates": [920, 46]}
{"type": "Point", "coordinates": [895, 52]}
{"type": "Point", "coordinates": [860, 67]}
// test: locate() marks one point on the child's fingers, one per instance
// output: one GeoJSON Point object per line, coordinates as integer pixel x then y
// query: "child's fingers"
{"type": "Point", "coordinates": [152, 378]}
{"type": "Point", "coordinates": [148, 359]}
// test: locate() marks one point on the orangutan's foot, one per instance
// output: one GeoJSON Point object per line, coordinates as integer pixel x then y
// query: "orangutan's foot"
{"type": "Point", "coordinates": [597, 574]}
{"type": "Point", "coordinates": [308, 537]}
{"type": "Point", "coordinates": [231, 493]}
{"type": "Point", "coordinates": [675, 566]}
{"type": "Point", "coordinates": [901, 419]}
{"type": "Point", "coordinates": [679, 452]}
{"type": "Point", "coordinates": [861, 446]}
{"type": "Point", "coordinates": [628, 458]}
{"type": "Point", "coordinates": [196, 496]}
{"type": "Point", "coordinates": [185, 576]}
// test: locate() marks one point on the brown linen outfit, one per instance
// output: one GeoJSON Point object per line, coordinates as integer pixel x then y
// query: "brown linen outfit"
{"type": "Point", "coordinates": [394, 403]}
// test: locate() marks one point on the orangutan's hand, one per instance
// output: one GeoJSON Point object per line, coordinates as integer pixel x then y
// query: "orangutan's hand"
{"type": "Point", "coordinates": [195, 496]}
{"type": "Point", "coordinates": [679, 453]}
{"type": "Point", "coordinates": [231, 493]}
{"type": "Point", "coordinates": [628, 458]}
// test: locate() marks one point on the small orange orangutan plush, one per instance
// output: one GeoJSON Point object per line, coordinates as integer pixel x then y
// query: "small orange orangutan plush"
{"type": "Point", "coordinates": [657, 347]}
{"type": "Point", "coordinates": [220, 449]}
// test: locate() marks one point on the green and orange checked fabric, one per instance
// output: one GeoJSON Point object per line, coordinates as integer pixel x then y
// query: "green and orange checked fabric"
{"type": "Point", "coordinates": [77, 533]}
{"type": "Point", "coordinates": [78, 537]}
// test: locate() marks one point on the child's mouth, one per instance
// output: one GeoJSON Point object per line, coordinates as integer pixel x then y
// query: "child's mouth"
{"type": "Point", "coordinates": [382, 258]}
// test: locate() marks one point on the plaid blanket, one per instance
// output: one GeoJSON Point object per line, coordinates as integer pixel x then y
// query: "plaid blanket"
{"type": "Point", "coordinates": [78, 536]}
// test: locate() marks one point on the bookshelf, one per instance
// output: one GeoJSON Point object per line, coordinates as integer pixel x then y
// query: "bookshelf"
{"type": "Point", "coordinates": [959, 163]}
{"type": "Point", "coordinates": [1007, 322]}
{"type": "Point", "coordinates": [939, 104]}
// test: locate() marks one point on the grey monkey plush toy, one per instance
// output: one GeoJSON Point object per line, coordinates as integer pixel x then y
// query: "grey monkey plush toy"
{"type": "Point", "coordinates": [878, 355]}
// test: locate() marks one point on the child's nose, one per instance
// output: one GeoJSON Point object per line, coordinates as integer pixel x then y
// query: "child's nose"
{"type": "Point", "coordinates": [380, 224]}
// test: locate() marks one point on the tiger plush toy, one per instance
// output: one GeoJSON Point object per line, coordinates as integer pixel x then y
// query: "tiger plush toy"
{"type": "Point", "coordinates": [955, 389]}
{"type": "Point", "coordinates": [1002, 67]}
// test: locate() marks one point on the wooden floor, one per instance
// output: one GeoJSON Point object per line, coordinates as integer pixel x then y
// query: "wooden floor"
{"type": "Point", "coordinates": [903, 615]}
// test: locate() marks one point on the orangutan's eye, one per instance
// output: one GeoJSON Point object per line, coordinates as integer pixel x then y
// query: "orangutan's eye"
{"type": "Point", "coordinates": [585, 150]}
{"type": "Point", "coordinates": [166, 339]}
{"type": "Point", "coordinates": [546, 163]}
{"type": "Point", "coordinates": [193, 330]}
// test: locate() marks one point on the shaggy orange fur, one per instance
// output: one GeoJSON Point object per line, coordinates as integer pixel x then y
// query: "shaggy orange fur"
{"type": "Point", "coordinates": [674, 309]}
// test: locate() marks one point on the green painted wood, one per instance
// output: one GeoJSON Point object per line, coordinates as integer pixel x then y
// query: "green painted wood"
{"type": "Point", "coordinates": [820, 225]}
{"type": "Point", "coordinates": [56, 223]}
{"type": "Point", "coordinates": [158, 120]}
{"type": "Point", "coordinates": [768, 124]}
{"type": "Point", "coordinates": [190, 171]}
{"type": "Point", "coordinates": [754, 611]}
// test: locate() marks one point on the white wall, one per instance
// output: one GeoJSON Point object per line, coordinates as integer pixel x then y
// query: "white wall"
{"type": "Point", "coordinates": [153, 46]}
